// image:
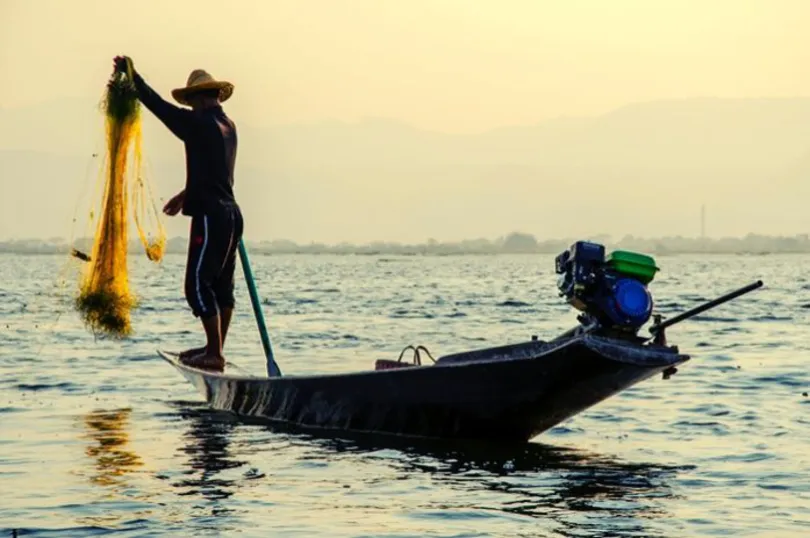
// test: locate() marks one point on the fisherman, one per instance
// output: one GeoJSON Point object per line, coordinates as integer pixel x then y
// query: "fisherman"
{"type": "Point", "coordinates": [210, 140]}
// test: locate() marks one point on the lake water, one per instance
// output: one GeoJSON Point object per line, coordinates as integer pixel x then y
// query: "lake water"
{"type": "Point", "coordinates": [103, 437]}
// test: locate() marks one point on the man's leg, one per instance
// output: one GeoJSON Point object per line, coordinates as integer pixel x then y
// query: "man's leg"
{"type": "Point", "coordinates": [213, 350]}
{"type": "Point", "coordinates": [224, 286]}
{"type": "Point", "coordinates": [196, 238]}
{"type": "Point", "coordinates": [225, 315]}
{"type": "Point", "coordinates": [204, 261]}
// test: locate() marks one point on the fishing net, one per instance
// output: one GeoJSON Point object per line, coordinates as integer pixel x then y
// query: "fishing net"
{"type": "Point", "coordinates": [104, 299]}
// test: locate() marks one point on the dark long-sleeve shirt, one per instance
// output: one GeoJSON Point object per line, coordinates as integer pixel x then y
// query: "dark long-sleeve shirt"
{"type": "Point", "coordinates": [210, 140]}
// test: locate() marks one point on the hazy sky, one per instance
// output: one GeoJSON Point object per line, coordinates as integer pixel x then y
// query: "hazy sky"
{"type": "Point", "coordinates": [455, 66]}
{"type": "Point", "coordinates": [449, 65]}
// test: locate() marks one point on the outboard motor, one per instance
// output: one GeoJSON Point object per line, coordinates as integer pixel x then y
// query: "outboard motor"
{"type": "Point", "coordinates": [611, 292]}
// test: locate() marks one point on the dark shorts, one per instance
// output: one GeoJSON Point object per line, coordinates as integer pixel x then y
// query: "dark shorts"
{"type": "Point", "coordinates": [213, 242]}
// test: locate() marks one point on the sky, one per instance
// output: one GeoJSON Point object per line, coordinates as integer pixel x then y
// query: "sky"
{"type": "Point", "coordinates": [449, 66]}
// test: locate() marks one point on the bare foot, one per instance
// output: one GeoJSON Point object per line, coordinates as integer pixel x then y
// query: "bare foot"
{"type": "Point", "coordinates": [205, 361]}
{"type": "Point", "coordinates": [187, 354]}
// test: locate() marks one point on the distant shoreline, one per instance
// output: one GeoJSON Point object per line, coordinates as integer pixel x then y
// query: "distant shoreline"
{"type": "Point", "coordinates": [254, 253]}
{"type": "Point", "coordinates": [515, 243]}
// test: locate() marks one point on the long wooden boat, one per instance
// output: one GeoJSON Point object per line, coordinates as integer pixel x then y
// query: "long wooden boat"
{"type": "Point", "coordinates": [509, 393]}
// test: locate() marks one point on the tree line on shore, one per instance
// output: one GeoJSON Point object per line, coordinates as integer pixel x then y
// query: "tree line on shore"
{"type": "Point", "coordinates": [514, 243]}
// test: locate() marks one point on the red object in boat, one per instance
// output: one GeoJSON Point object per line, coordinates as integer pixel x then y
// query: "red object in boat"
{"type": "Point", "coordinates": [386, 364]}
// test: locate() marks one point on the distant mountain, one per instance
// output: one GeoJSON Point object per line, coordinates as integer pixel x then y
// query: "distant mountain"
{"type": "Point", "coordinates": [643, 169]}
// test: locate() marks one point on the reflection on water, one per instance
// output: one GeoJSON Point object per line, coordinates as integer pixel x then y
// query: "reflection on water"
{"type": "Point", "coordinates": [582, 494]}
{"type": "Point", "coordinates": [738, 413]}
{"type": "Point", "coordinates": [573, 492]}
{"type": "Point", "coordinates": [113, 459]}
{"type": "Point", "coordinates": [208, 459]}
{"type": "Point", "coordinates": [208, 454]}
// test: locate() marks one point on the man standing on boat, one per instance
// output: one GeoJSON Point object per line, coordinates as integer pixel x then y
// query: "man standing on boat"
{"type": "Point", "coordinates": [210, 140]}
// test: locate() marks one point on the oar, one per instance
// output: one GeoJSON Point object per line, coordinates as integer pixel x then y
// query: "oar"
{"type": "Point", "coordinates": [272, 368]}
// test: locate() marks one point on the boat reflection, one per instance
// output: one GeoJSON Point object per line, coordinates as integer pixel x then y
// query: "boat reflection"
{"type": "Point", "coordinates": [572, 493]}
{"type": "Point", "coordinates": [568, 492]}
{"type": "Point", "coordinates": [209, 458]}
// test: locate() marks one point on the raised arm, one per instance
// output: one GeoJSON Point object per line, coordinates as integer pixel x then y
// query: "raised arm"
{"type": "Point", "coordinates": [178, 120]}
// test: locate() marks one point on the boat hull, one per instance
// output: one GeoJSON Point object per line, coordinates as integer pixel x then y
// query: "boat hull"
{"type": "Point", "coordinates": [509, 393]}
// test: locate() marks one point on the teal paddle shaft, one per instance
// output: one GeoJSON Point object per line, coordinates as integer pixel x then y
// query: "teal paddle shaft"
{"type": "Point", "coordinates": [272, 368]}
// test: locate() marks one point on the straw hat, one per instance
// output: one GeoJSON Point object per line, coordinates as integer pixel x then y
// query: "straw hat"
{"type": "Point", "coordinates": [200, 79]}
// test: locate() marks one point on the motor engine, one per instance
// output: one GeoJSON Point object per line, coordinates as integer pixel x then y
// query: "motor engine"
{"type": "Point", "coordinates": [610, 291]}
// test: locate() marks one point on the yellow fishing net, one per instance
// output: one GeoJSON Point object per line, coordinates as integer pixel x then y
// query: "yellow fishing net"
{"type": "Point", "coordinates": [104, 299]}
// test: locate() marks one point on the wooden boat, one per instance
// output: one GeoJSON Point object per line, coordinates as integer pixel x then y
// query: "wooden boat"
{"type": "Point", "coordinates": [508, 393]}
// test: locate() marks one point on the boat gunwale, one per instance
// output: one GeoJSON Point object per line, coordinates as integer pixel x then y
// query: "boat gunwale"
{"type": "Point", "coordinates": [609, 349]}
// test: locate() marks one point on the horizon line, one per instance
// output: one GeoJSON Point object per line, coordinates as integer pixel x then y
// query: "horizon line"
{"type": "Point", "coordinates": [603, 237]}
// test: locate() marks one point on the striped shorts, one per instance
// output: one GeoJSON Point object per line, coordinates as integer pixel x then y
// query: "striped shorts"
{"type": "Point", "coordinates": [213, 242]}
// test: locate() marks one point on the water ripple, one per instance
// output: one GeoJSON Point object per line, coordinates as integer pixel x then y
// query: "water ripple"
{"type": "Point", "coordinates": [98, 437]}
